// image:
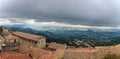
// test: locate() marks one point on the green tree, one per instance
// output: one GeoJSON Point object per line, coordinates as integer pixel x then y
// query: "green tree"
{"type": "Point", "coordinates": [1, 29]}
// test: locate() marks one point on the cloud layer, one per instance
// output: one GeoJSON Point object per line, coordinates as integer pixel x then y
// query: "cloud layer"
{"type": "Point", "coordinates": [78, 12]}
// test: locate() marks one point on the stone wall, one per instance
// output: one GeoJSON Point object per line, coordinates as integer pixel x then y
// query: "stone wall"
{"type": "Point", "coordinates": [58, 54]}
{"type": "Point", "coordinates": [98, 53]}
{"type": "Point", "coordinates": [41, 43]}
{"type": "Point", "coordinates": [23, 41]}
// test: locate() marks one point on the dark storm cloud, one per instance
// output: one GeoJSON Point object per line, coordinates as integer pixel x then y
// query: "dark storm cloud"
{"type": "Point", "coordinates": [84, 12]}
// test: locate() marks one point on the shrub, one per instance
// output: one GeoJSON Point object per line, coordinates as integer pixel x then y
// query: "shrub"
{"type": "Point", "coordinates": [112, 56]}
{"type": "Point", "coordinates": [1, 30]}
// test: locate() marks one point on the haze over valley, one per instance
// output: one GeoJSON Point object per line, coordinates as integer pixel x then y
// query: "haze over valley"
{"type": "Point", "coordinates": [60, 29]}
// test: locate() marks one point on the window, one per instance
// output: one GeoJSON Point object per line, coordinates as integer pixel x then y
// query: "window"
{"type": "Point", "coordinates": [35, 42]}
{"type": "Point", "coordinates": [15, 41]}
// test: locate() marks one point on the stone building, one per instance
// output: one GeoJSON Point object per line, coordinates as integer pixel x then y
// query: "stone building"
{"type": "Point", "coordinates": [58, 49]}
{"type": "Point", "coordinates": [11, 40]}
{"type": "Point", "coordinates": [30, 39]}
{"type": "Point", "coordinates": [54, 45]}
{"type": "Point", "coordinates": [46, 53]}
{"type": "Point", "coordinates": [6, 31]}
{"type": "Point", "coordinates": [0, 45]}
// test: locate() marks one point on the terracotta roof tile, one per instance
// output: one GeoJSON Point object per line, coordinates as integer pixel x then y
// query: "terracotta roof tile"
{"type": "Point", "coordinates": [10, 37]}
{"type": "Point", "coordinates": [28, 36]}
{"type": "Point", "coordinates": [13, 55]}
{"type": "Point", "coordinates": [40, 54]}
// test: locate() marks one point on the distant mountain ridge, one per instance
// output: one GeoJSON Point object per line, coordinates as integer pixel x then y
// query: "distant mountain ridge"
{"type": "Point", "coordinates": [56, 27]}
{"type": "Point", "coordinates": [66, 34]}
{"type": "Point", "coordinates": [60, 35]}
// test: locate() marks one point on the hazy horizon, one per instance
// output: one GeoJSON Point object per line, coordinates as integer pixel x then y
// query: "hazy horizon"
{"type": "Point", "coordinates": [96, 14]}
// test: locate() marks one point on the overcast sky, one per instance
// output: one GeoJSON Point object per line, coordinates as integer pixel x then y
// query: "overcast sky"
{"type": "Point", "coordinates": [72, 12]}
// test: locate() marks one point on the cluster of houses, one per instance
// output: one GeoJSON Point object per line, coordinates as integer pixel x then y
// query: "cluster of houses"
{"type": "Point", "coordinates": [33, 45]}
{"type": "Point", "coordinates": [9, 38]}
{"type": "Point", "coordinates": [29, 46]}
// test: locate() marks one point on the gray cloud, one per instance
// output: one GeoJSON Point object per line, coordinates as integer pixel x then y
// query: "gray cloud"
{"type": "Point", "coordinates": [84, 12]}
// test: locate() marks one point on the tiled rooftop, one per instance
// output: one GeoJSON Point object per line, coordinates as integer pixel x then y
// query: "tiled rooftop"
{"type": "Point", "coordinates": [10, 37]}
{"type": "Point", "coordinates": [12, 55]}
{"type": "Point", "coordinates": [28, 36]}
{"type": "Point", "coordinates": [40, 53]}
{"type": "Point", "coordinates": [35, 52]}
